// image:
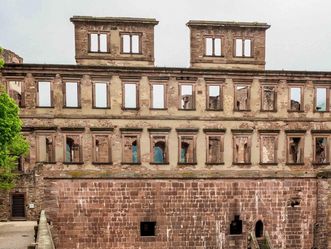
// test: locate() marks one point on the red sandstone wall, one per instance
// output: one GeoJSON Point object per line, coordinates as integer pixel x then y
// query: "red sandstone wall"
{"type": "Point", "coordinates": [94, 213]}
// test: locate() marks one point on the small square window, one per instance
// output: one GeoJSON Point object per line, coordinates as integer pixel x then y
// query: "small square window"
{"type": "Point", "coordinates": [130, 43]}
{"type": "Point", "coordinates": [147, 228]}
{"type": "Point", "coordinates": [213, 46]}
{"type": "Point", "coordinates": [187, 97]}
{"type": "Point", "coordinates": [98, 42]}
{"type": "Point", "coordinates": [243, 48]}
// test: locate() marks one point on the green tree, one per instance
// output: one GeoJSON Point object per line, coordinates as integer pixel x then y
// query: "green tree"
{"type": "Point", "coordinates": [12, 143]}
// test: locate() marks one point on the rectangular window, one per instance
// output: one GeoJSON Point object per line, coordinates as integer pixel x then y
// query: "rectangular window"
{"type": "Point", "coordinates": [187, 97]}
{"type": "Point", "coordinates": [214, 99]}
{"type": "Point", "coordinates": [236, 226]}
{"type": "Point", "coordinates": [322, 96]}
{"type": "Point", "coordinates": [98, 42]}
{"type": "Point", "coordinates": [242, 98]}
{"type": "Point", "coordinates": [16, 92]}
{"type": "Point", "coordinates": [295, 146]}
{"type": "Point", "coordinates": [130, 43]}
{"type": "Point", "coordinates": [158, 96]}
{"type": "Point", "coordinates": [243, 48]}
{"type": "Point", "coordinates": [159, 148]}
{"type": "Point", "coordinates": [215, 148]}
{"type": "Point", "coordinates": [131, 148]}
{"type": "Point", "coordinates": [100, 95]}
{"type": "Point", "coordinates": [213, 46]}
{"type": "Point", "coordinates": [44, 94]}
{"type": "Point", "coordinates": [101, 149]}
{"type": "Point", "coordinates": [268, 148]}
{"type": "Point", "coordinates": [269, 100]}
{"type": "Point", "coordinates": [147, 228]}
{"type": "Point", "coordinates": [73, 149]}
{"type": "Point", "coordinates": [130, 96]}
{"type": "Point", "coordinates": [187, 149]}
{"type": "Point", "coordinates": [72, 94]}
{"type": "Point", "coordinates": [46, 148]}
{"type": "Point", "coordinates": [241, 149]}
{"type": "Point", "coordinates": [296, 97]}
{"type": "Point", "coordinates": [321, 149]}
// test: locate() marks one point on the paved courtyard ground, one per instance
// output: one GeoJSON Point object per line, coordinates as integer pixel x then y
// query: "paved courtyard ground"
{"type": "Point", "coordinates": [16, 234]}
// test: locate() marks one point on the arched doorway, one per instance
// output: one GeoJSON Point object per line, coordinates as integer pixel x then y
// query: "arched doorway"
{"type": "Point", "coordinates": [259, 229]}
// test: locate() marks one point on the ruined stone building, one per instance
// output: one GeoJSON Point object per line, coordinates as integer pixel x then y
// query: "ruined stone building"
{"type": "Point", "coordinates": [124, 154]}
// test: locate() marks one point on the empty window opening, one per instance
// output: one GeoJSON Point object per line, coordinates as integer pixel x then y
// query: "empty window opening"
{"type": "Point", "coordinates": [259, 229]}
{"type": "Point", "coordinates": [44, 94]}
{"type": "Point", "coordinates": [243, 48]}
{"type": "Point", "coordinates": [241, 149]}
{"type": "Point", "coordinates": [236, 226]}
{"type": "Point", "coordinates": [321, 150]}
{"type": "Point", "coordinates": [294, 202]}
{"type": "Point", "coordinates": [268, 149]}
{"type": "Point", "coordinates": [268, 98]}
{"type": "Point", "coordinates": [71, 94]}
{"type": "Point", "coordinates": [46, 149]}
{"type": "Point", "coordinates": [295, 150]}
{"type": "Point", "coordinates": [131, 43]}
{"type": "Point", "coordinates": [187, 150]}
{"type": "Point", "coordinates": [242, 98]}
{"type": "Point", "coordinates": [16, 92]}
{"type": "Point", "coordinates": [159, 152]}
{"type": "Point", "coordinates": [98, 42]}
{"type": "Point", "coordinates": [186, 98]}
{"type": "Point", "coordinates": [158, 97]}
{"type": "Point", "coordinates": [214, 97]}
{"type": "Point", "coordinates": [295, 98]}
{"type": "Point", "coordinates": [147, 228]}
{"type": "Point", "coordinates": [213, 46]}
{"type": "Point", "coordinates": [130, 95]}
{"type": "Point", "coordinates": [131, 150]}
{"type": "Point", "coordinates": [321, 99]}
{"type": "Point", "coordinates": [100, 95]}
{"type": "Point", "coordinates": [73, 149]}
{"type": "Point", "coordinates": [215, 149]}
{"type": "Point", "coordinates": [101, 149]}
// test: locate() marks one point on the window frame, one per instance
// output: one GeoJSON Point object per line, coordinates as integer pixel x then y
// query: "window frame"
{"type": "Point", "coordinates": [187, 133]}
{"type": "Point", "coordinates": [80, 135]}
{"type": "Point", "coordinates": [220, 85]}
{"type": "Point", "coordinates": [248, 97]}
{"type": "Point", "coordinates": [139, 34]}
{"type": "Point", "coordinates": [23, 89]}
{"type": "Point", "coordinates": [51, 93]}
{"type": "Point", "coordinates": [180, 95]}
{"type": "Point", "coordinates": [131, 132]}
{"type": "Point", "coordinates": [321, 134]}
{"type": "Point", "coordinates": [96, 133]}
{"type": "Point", "coordinates": [107, 42]}
{"type": "Point", "coordinates": [327, 108]}
{"type": "Point", "coordinates": [165, 87]}
{"type": "Point", "coordinates": [64, 92]}
{"type": "Point", "coordinates": [269, 133]}
{"type": "Point", "coordinates": [243, 39]}
{"type": "Point", "coordinates": [159, 132]}
{"type": "Point", "coordinates": [275, 97]}
{"type": "Point", "coordinates": [213, 37]}
{"type": "Point", "coordinates": [94, 97]}
{"type": "Point", "coordinates": [302, 87]}
{"type": "Point", "coordinates": [295, 133]}
{"type": "Point", "coordinates": [46, 133]}
{"type": "Point", "coordinates": [242, 133]}
{"type": "Point", "coordinates": [214, 133]}
{"type": "Point", "coordinates": [137, 95]}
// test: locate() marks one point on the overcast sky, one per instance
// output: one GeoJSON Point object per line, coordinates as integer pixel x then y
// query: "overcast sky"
{"type": "Point", "coordinates": [299, 37]}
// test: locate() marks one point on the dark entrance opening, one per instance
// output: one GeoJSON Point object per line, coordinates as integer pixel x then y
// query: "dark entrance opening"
{"type": "Point", "coordinates": [259, 229]}
{"type": "Point", "coordinates": [147, 228]}
{"type": "Point", "coordinates": [18, 206]}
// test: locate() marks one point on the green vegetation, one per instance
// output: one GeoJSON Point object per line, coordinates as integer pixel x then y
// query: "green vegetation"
{"type": "Point", "coordinates": [12, 143]}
